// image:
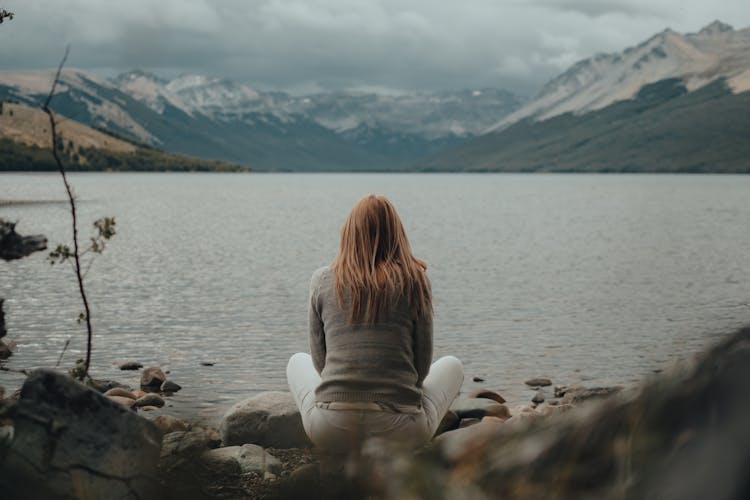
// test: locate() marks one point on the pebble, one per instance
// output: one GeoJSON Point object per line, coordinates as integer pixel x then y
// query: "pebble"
{"type": "Point", "coordinates": [130, 365]}
{"type": "Point", "coordinates": [169, 386]}
{"type": "Point", "coordinates": [150, 400]}
{"type": "Point", "coordinates": [207, 363]}
{"type": "Point", "coordinates": [478, 379]}
{"type": "Point", "coordinates": [538, 382]}
{"type": "Point", "coordinates": [149, 408]}
{"type": "Point", "coordinates": [538, 397]}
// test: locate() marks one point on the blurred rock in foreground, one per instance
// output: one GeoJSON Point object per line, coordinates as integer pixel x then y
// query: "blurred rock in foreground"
{"type": "Point", "coordinates": [682, 435]}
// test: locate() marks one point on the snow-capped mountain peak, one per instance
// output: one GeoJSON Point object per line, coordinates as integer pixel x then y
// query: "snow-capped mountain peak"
{"type": "Point", "coordinates": [717, 51]}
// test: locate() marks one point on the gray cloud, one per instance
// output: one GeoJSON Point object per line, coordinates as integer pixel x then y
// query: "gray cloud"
{"type": "Point", "coordinates": [309, 44]}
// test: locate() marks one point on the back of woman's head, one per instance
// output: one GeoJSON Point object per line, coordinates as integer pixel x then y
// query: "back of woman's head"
{"type": "Point", "coordinates": [375, 267]}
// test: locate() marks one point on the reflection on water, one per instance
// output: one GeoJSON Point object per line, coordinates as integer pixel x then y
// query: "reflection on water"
{"type": "Point", "coordinates": [592, 278]}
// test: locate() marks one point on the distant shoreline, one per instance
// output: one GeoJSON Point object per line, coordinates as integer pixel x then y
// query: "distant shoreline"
{"type": "Point", "coordinates": [10, 203]}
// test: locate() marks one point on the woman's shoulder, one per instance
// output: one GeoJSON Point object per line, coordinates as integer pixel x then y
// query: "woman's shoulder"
{"type": "Point", "coordinates": [321, 275]}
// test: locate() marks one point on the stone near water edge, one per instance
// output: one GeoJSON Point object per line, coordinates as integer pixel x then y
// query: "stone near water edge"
{"type": "Point", "coordinates": [270, 419]}
{"type": "Point", "coordinates": [119, 391]}
{"type": "Point", "coordinates": [477, 379]}
{"type": "Point", "coordinates": [168, 423]}
{"type": "Point", "coordinates": [449, 422]}
{"type": "Point", "coordinates": [69, 441]}
{"type": "Point", "coordinates": [486, 394]}
{"type": "Point", "coordinates": [586, 394]}
{"type": "Point", "coordinates": [477, 407]}
{"type": "Point", "coordinates": [14, 246]}
{"type": "Point", "coordinates": [5, 350]}
{"type": "Point", "coordinates": [561, 390]}
{"type": "Point", "coordinates": [138, 393]}
{"type": "Point", "coordinates": [303, 482]}
{"type": "Point", "coordinates": [538, 397]}
{"type": "Point", "coordinates": [127, 402]}
{"type": "Point", "coordinates": [148, 408]}
{"type": "Point", "coordinates": [538, 382]}
{"type": "Point", "coordinates": [253, 458]}
{"type": "Point", "coordinates": [3, 329]}
{"type": "Point", "coordinates": [130, 365]}
{"type": "Point", "coordinates": [150, 400]}
{"type": "Point", "coordinates": [545, 409]}
{"type": "Point", "coordinates": [207, 363]}
{"type": "Point", "coordinates": [105, 385]}
{"type": "Point", "coordinates": [153, 376]}
{"type": "Point", "coordinates": [169, 386]}
{"type": "Point", "coordinates": [222, 461]}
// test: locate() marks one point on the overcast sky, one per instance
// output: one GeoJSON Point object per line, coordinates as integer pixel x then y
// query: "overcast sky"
{"type": "Point", "coordinates": [303, 45]}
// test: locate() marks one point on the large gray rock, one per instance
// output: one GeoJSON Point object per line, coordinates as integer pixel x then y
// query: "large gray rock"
{"type": "Point", "coordinates": [69, 441]}
{"type": "Point", "coordinates": [270, 419]}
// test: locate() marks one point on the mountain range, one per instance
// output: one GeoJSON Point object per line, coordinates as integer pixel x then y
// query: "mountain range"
{"type": "Point", "coordinates": [675, 102]}
{"type": "Point", "coordinates": [220, 119]}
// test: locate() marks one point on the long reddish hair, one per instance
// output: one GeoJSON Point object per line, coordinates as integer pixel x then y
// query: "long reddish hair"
{"type": "Point", "coordinates": [375, 266]}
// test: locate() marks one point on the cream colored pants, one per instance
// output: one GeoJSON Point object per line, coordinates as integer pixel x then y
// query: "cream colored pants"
{"type": "Point", "coordinates": [345, 428]}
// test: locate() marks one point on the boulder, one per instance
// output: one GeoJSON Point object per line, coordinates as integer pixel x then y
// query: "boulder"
{"type": "Point", "coordinates": [486, 394]}
{"type": "Point", "coordinates": [478, 408]}
{"type": "Point", "coordinates": [69, 441]}
{"type": "Point", "coordinates": [152, 376]}
{"type": "Point", "coordinates": [270, 419]}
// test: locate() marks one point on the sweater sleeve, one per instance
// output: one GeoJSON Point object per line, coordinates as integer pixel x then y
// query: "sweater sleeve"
{"type": "Point", "coordinates": [422, 347]}
{"type": "Point", "coordinates": [317, 334]}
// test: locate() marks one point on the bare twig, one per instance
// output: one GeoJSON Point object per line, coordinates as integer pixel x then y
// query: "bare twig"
{"type": "Point", "coordinates": [71, 197]}
{"type": "Point", "coordinates": [62, 353]}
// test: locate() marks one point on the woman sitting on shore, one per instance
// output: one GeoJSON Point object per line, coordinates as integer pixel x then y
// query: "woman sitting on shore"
{"type": "Point", "coordinates": [371, 341]}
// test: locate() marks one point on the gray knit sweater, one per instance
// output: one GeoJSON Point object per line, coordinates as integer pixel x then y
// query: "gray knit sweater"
{"type": "Point", "coordinates": [386, 361]}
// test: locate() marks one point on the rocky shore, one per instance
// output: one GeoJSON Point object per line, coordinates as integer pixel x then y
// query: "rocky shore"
{"type": "Point", "coordinates": [62, 439]}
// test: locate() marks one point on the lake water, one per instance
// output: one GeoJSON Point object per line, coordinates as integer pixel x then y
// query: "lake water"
{"type": "Point", "coordinates": [599, 279]}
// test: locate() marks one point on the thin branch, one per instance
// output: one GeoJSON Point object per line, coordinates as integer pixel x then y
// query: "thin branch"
{"type": "Point", "coordinates": [65, 348]}
{"type": "Point", "coordinates": [76, 253]}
